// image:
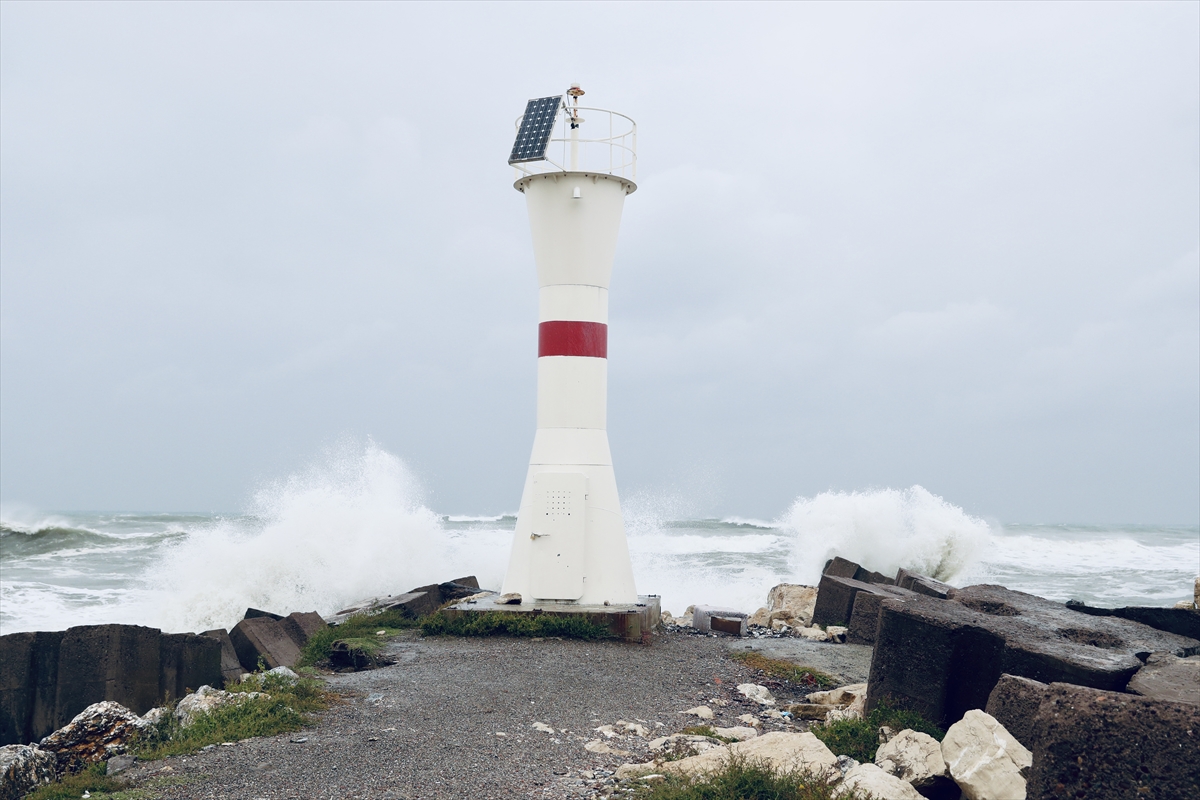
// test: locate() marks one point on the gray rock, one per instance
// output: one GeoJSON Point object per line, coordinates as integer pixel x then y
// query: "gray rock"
{"type": "Point", "coordinates": [23, 768]}
{"type": "Point", "coordinates": [207, 699]}
{"type": "Point", "coordinates": [118, 764]}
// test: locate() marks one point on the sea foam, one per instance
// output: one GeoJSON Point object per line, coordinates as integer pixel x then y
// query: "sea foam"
{"type": "Point", "coordinates": [883, 530]}
{"type": "Point", "coordinates": [351, 525]}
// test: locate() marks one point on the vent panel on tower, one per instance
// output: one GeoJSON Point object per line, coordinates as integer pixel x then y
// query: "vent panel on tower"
{"type": "Point", "coordinates": [536, 127]}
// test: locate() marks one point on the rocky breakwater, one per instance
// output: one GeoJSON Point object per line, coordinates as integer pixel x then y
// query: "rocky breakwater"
{"type": "Point", "coordinates": [47, 678]}
{"type": "Point", "coordinates": [1107, 701]}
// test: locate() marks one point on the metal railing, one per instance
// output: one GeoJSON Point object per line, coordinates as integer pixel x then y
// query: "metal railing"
{"type": "Point", "coordinates": [585, 147]}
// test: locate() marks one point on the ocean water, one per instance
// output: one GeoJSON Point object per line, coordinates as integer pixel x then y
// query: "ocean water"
{"type": "Point", "coordinates": [354, 525]}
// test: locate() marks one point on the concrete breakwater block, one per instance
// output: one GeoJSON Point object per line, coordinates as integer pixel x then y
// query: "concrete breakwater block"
{"type": "Point", "coordinates": [186, 662]}
{"type": "Point", "coordinates": [836, 595]}
{"type": "Point", "coordinates": [943, 657]}
{"type": "Point", "coordinates": [46, 678]}
{"type": "Point", "coordinates": [1111, 746]}
{"type": "Point", "coordinates": [263, 638]}
{"type": "Point", "coordinates": [864, 619]}
{"type": "Point", "coordinates": [231, 668]}
{"type": "Point", "coordinates": [1183, 621]}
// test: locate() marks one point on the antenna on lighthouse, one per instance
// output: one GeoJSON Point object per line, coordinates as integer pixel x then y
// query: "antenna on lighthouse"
{"type": "Point", "coordinates": [569, 552]}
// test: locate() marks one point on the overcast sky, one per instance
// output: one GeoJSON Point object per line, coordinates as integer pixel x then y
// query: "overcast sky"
{"type": "Point", "coordinates": [953, 245]}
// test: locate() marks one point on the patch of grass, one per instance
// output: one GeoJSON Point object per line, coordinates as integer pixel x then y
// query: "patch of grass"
{"type": "Point", "coordinates": [284, 710]}
{"type": "Point", "coordinates": [739, 779]}
{"type": "Point", "coordinates": [508, 623]}
{"type": "Point", "coordinates": [359, 628]}
{"type": "Point", "coordinates": [699, 730]}
{"type": "Point", "coordinates": [797, 674]}
{"type": "Point", "coordinates": [100, 786]}
{"type": "Point", "coordinates": [70, 787]}
{"type": "Point", "coordinates": [859, 738]}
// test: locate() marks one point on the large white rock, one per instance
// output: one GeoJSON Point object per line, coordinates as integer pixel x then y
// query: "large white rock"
{"type": "Point", "coordinates": [984, 759]}
{"type": "Point", "coordinates": [871, 780]}
{"type": "Point", "coordinates": [779, 750]}
{"type": "Point", "coordinates": [913, 757]}
{"type": "Point", "coordinates": [703, 712]}
{"type": "Point", "coordinates": [794, 600]}
{"type": "Point", "coordinates": [206, 699]}
{"type": "Point", "coordinates": [841, 696]}
{"type": "Point", "coordinates": [756, 692]}
{"type": "Point", "coordinates": [599, 747]}
{"type": "Point", "coordinates": [814, 634]}
{"type": "Point", "coordinates": [24, 767]}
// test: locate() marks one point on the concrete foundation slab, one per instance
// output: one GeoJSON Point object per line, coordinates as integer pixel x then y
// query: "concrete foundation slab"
{"type": "Point", "coordinates": [634, 622]}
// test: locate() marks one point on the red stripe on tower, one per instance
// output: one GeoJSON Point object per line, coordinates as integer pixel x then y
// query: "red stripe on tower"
{"type": "Point", "coordinates": [573, 338]}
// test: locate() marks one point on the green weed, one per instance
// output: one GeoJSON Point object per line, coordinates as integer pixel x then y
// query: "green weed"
{"type": "Point", "coordinates": [70, 787]}
{"type": "Point", "coordinates": [797, 674]}
{"type": "Point", "coordinates": [507, 623]}
{"type": "Point", "coordinates": [358, 628]}
{"type": "Point", "coordinates": [286, 709]}
{"type": "Point", "coordinates": [739, 779]}
{"type": "Point", "coordinates": [859, 738]}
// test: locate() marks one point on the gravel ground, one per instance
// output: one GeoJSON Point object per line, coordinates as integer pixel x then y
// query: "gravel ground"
{"type": "Point", "coordinates": [431, 725]}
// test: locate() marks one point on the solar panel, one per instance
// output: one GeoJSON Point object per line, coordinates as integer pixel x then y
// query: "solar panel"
{"type": "Point", "coordinates": [536, 127]}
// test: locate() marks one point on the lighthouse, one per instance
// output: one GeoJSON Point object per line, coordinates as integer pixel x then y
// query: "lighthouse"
{"type": "Point", "coordinates": [575, 165]}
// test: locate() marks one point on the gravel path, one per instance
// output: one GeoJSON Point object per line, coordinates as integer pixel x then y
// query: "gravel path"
{"type": "Point", "coordinates": [430, 726]}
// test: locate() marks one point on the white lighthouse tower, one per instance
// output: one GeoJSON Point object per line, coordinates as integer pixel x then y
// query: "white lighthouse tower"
{"type": "Point", "coordinates": [575, 166]}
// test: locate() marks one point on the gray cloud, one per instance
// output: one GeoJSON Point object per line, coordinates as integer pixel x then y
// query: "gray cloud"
{"type": "Point", "coordinates": [954, 245]}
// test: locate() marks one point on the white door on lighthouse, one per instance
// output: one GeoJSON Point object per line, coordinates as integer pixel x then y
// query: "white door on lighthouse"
{"type": "Point", "coordinates": [559, 524]}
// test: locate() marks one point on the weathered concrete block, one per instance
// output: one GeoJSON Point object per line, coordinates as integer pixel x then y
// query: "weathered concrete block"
{"type": "Point", "coordinates": [835, 599]}
{"type": "Point", "coordinates": [28, 685]}
{"type": "Point", "coordinates": [106, 662]}
{"type": "Point", "coordinates": [1181, 621]}
{"type": "Point", "coordinates": [414, 604]}
{"type": "Point", "coordinates": [231, 667]}
{"type": "Point", "coordinates": [840, 567]}
{"type": "Point", "coordinates": [703, 616]}
{"type": "Point", "coordinates": [864, 619]}
{"type": "Point", "coordinates": [300, 625]}
{"type": "Point", "coordinates": [251, 613]}
{"type": "Point", "coordinates": [1168, 677]}
{"type": "Point", "coordinates": [1112, 746]}
{"type": "Point", "coordinates": [263, 637]}
{"type": "Point", "coordinates": [187, 662]}
{"type": "Point", "coordinates": [1014, 702]}
{"type": "Point", "coordinates": [922, 584]}
{"type": "Point", "coordinates": [941, 658]}
{"type": "Point", "coordinates": [16, 687]}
